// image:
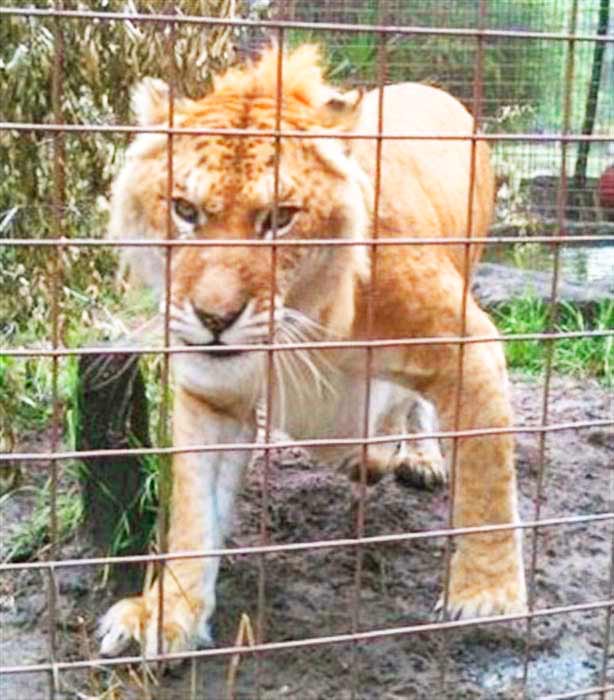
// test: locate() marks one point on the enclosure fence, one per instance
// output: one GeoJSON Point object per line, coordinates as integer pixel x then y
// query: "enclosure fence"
{"type": "Point", "coordinates": [573, 219]}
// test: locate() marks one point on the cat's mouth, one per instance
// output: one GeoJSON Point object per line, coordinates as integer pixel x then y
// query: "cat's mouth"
{"type": "Point", "coordinates": [215, 350]}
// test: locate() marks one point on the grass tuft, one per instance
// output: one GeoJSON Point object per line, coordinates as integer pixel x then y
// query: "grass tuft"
{"type": "Point", "coordinates": [32, 538]}
{"type": "Point", "coordinates": [582, 357]}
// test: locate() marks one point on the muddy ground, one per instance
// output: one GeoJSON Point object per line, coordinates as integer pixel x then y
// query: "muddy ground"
{"type": "Point", "coordinates": [312, 594]}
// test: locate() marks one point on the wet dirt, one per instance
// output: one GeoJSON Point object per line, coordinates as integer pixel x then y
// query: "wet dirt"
{"type": "Point", "coordinates": [312, 594]}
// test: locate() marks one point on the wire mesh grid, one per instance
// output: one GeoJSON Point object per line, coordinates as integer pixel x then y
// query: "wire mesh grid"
{"type": "Point", "coordinates": [524, 71]}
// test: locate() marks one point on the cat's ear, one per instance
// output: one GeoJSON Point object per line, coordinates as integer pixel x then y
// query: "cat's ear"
{"type": "Point", "coordinates": [150, 101]}
{"type": "Point", "coordinates": [342, 110]}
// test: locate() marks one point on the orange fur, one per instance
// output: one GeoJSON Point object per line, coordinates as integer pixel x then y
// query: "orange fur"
{"type": "Point", "coordinates": [222, 295]}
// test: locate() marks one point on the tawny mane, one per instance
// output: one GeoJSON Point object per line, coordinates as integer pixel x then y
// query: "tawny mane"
{"type": "Point", "coordinates": [300, 71]}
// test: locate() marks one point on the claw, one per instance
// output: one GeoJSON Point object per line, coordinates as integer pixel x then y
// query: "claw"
{"type": "Point", "coordinates": [120, 625]}
{"type": "Point", "coordinates": [483, 605]}
{"type": "Point", "coordinates": [184, 625]}
{"type": "Point", "coordinates": [421, 471]}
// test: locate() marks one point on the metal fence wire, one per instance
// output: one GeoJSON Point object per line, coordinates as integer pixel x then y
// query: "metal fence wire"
{"type": "Point", "coordinates": [326, 589]}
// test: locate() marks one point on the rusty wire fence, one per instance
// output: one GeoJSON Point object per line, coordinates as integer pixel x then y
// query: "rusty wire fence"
{"type": "Point", "coordinates": [484, 57]}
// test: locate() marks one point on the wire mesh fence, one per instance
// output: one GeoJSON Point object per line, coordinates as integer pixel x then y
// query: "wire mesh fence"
{"type": "Point", "coordinates": [327, 587]}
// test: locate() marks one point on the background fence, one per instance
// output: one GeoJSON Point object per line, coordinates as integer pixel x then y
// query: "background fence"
{"type": "Point", "coordinates": [548, 103]}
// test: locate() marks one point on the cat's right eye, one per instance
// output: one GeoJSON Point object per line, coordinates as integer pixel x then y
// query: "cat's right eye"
{"type": "Point", "coordinates": [285, 218]}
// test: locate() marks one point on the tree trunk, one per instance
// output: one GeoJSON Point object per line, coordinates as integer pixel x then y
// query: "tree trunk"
{"type": "Point", "coordinates": [579, 182]}
{"type": "Point", "coordinates": [113, 414]}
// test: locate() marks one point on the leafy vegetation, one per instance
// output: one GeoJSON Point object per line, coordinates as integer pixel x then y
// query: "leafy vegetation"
{"type": "Point", "coordinates": [585, 356]}
{"type": "Point", "coordinates": [32, 538]}
{"type": "Point", "coordinates": [516, 72]}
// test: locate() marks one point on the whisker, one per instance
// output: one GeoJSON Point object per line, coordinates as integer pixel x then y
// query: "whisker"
{"type": "Point", "coordinates": [251, 333]}
{"type": "Point", "coordinates": [310, 330]}
{"type": "Point", "coordinates": [278, 363]}
{"type": "Point", "coordinates": [307, 358]}
{"type": "Point", "coordinates": [291, 367]}
{"type": "Point", "coordinates": [305, 323]}
{"type": "Point", "coordinates": [316, 354]}
{"type": "Point", "coordinates": [255, 323]}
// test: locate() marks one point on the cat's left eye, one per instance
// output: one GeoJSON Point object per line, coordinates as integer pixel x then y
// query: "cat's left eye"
{"type": "Point", "coordinates": [285, 218]}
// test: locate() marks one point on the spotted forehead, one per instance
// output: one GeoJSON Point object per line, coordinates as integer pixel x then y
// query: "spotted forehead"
{"type": "Point", "coordinates": [217, 170]}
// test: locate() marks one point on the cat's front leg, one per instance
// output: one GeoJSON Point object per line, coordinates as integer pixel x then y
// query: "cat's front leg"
{"type": "Point", "coordinates": [204, 485]}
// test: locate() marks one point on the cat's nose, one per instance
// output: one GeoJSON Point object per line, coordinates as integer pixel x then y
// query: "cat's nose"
{"type": "Point", "coordinates": [217, 323]}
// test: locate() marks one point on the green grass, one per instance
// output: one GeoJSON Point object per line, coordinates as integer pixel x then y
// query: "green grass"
{"type": "Point", "coordinates": [32, 538]}
{"type": "Point", "coordinates": [26, 390]}
{"type": "Point", "coordinates": [124, 539]}
{"type": "Point", "coordinates": [582, 357]}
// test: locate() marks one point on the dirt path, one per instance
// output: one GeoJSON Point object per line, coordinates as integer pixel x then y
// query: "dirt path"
{"type": "Point", "coordinates": [311, 594]}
